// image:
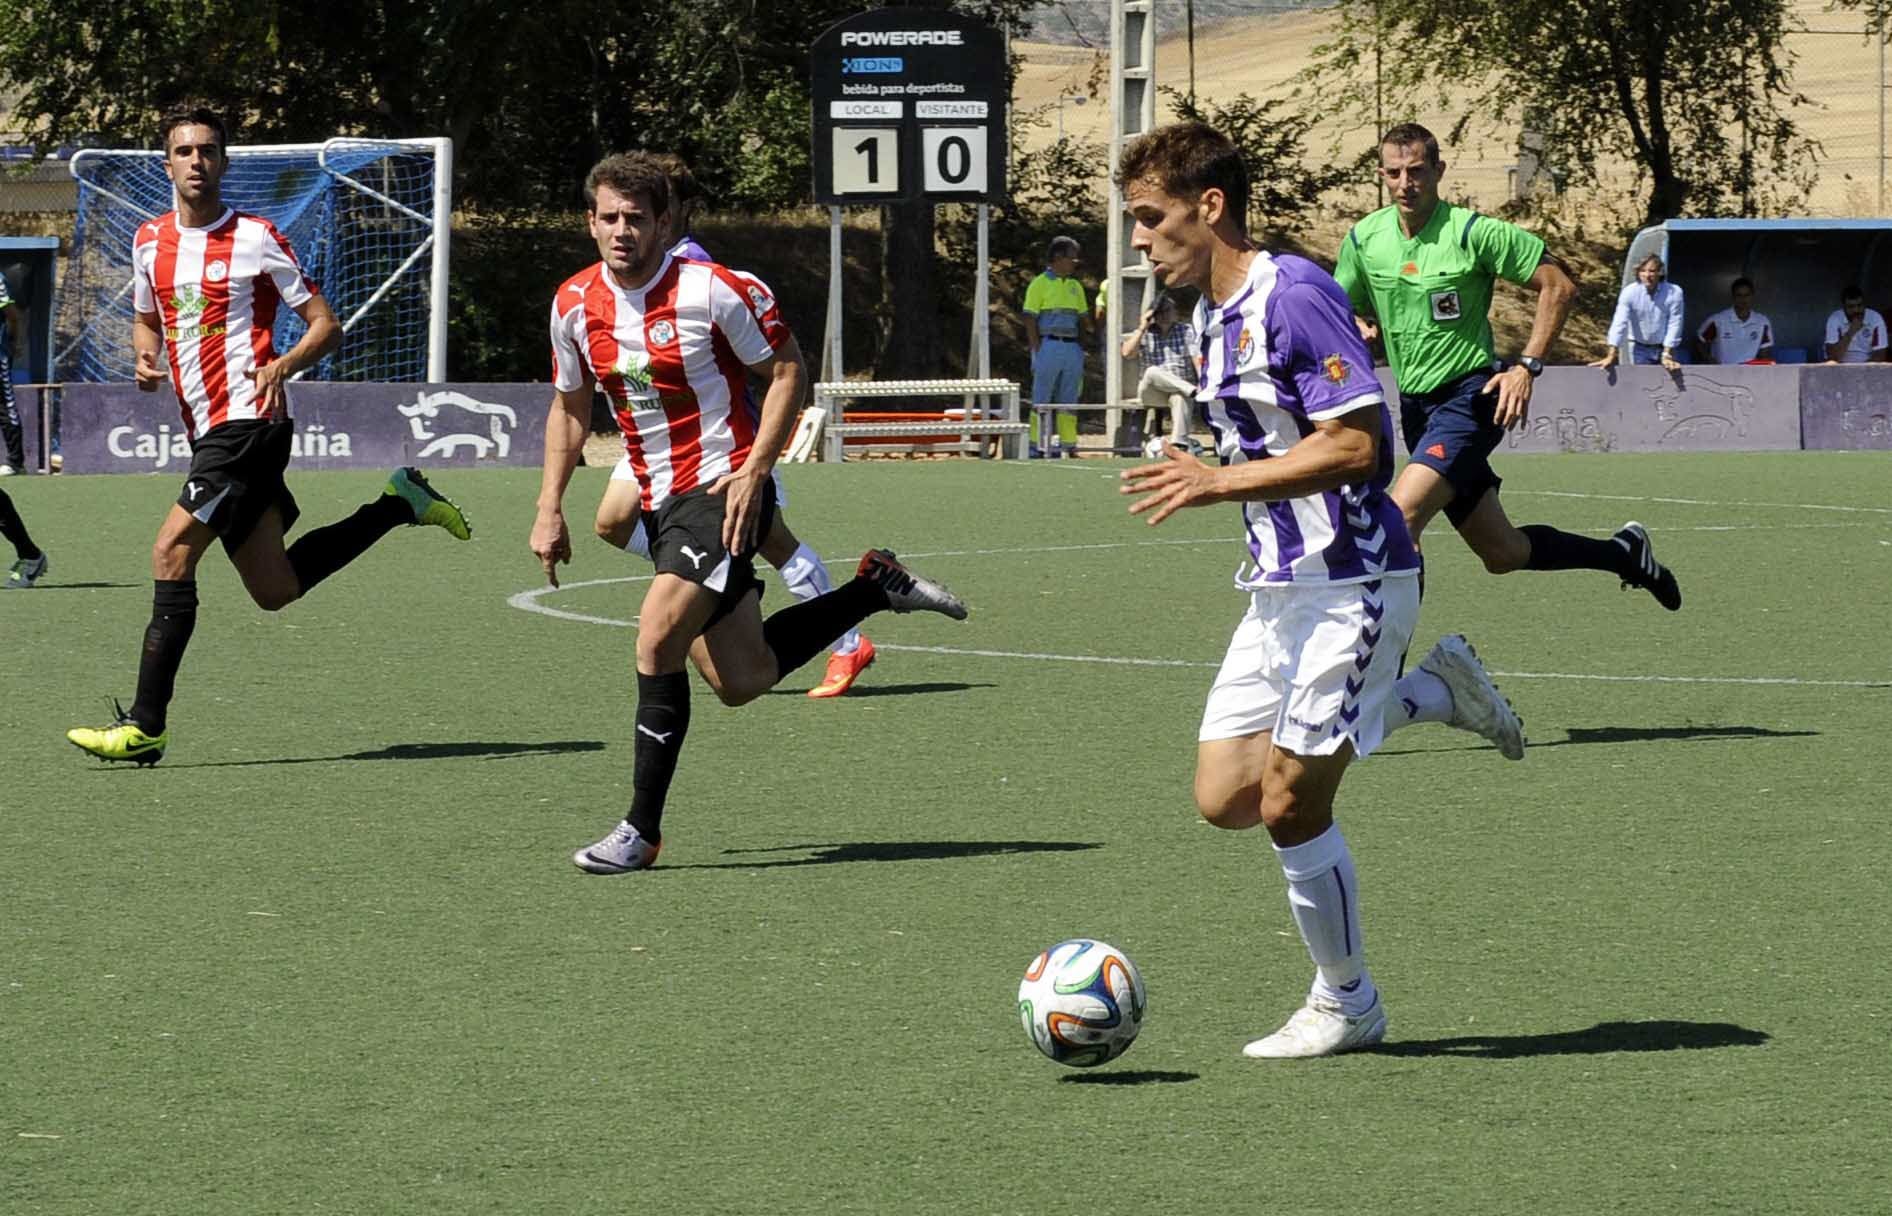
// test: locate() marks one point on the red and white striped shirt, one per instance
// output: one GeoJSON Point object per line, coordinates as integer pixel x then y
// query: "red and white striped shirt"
{"type": "Point", "coordinates": [216, 291]}
{"type": "Point", "coordinates": [672, 356]}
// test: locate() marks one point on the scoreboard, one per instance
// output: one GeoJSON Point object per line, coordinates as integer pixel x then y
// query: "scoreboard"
{"type": "Point", "coordinates": [909, 103]}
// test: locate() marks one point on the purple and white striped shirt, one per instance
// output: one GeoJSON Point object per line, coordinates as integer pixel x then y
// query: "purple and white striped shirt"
{"type": "Point", "coordinates": [1278, 357]}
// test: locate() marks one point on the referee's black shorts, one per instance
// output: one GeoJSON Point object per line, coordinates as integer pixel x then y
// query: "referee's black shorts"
{"type": "Point", "coordinates": [236, 476]}
{"type": "Point", "coordinates": [686, 539]}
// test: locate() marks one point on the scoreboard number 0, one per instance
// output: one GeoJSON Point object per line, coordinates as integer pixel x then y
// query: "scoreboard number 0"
{"type": "Point", "coordinates": [953, 159]}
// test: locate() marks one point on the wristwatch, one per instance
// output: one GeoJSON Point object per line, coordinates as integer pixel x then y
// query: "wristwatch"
{"type": "Point", "coordinates": [1531, 364]}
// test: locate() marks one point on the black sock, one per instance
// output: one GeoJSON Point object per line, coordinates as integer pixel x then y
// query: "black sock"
{"type": "Point", "coordinates": [322, 552]}
{"type": "Point", "coordinates": [14, 529]}
{"type": "Point", "coordinates": [173, 617]}
{"type": "Point", "coordinates": [801, 631]}
{"type": "Point", "coordinates": [663, 719]}
{"type": "Point", "coordinates": [1554, 550]}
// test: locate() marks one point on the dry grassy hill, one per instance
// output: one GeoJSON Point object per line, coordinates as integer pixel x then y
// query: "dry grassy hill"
{"type": "Point", "coordinates": [1261, 55]}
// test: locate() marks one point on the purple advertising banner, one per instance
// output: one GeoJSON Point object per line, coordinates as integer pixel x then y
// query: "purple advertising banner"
{"type": "Point", "coordinates": [114, 428]}
{"type": "Point", "coordinates": [1645, 409]}
{"type": "Point", "coordinates": [1847, 408]}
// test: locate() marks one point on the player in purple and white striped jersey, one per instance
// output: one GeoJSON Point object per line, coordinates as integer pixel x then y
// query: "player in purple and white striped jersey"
{"type": "Point", "coordinates": [1311, 677]}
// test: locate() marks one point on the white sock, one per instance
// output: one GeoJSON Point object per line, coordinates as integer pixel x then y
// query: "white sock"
{"type": "Point", "coordinates": [1419, 696]}
{"type": "Point", "coordinates": [639, 544]}
{"type": "Point", "coordinates": [1325, 901]}
{"type": "Point", "coordinates": [807, 578]}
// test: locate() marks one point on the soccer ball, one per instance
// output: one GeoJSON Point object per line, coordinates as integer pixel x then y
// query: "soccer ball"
{"type": "Point", "coordinates": [1082, 1002]}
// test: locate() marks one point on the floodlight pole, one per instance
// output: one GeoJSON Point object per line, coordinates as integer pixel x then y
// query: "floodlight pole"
{"type": "Point", "coordinates": [1132, 112]}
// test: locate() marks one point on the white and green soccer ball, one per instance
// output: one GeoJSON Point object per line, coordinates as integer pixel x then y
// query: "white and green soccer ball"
{"type": "Point", "coordinates": [1082, 1002]}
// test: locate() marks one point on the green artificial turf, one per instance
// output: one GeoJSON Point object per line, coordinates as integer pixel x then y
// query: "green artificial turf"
{"type": "Point", "coordinates": [331, 955]}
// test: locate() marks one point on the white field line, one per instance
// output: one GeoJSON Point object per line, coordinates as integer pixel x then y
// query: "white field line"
{"type": "Point", "coordinates": [1697, 502]}
{"type": "Point", "coordinates": [528, 601]}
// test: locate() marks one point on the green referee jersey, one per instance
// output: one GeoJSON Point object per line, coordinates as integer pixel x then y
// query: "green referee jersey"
{"type": "Point", "coordinates": [1432, 294]}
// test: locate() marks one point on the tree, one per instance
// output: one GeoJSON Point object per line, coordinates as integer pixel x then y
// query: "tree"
{"type": "Point", "coordinates": [1695, 93]}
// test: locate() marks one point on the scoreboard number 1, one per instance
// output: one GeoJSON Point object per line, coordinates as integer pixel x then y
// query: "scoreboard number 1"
{"type": "Point", "coordinates": [866, 160]}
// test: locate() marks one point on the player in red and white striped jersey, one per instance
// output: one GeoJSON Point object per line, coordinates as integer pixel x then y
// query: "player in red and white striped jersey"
{"type": "Point", "coordinates": [209, 285]}
{"type": "Point", "coordinates": [669, 342]}
{"type": "Point", "coordinates": [620, 524]}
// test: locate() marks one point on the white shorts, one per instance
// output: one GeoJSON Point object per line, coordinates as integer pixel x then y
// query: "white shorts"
{"type": "Point", "coordinates": [622, 472]}
{"type": "Point", "coordinates": [1314, 664]}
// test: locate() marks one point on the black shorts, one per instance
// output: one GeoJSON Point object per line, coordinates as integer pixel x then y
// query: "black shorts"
{"type": "Point", "coordinates": [236, 476]}
{"type": "Point", "coordinates": [1451, 430]}
{"type": "Point", "coordinates": [686, 539]}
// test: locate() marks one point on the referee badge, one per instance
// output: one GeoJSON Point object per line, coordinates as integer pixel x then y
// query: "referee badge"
{"type": "Point", "coordinates": [1445, 306]}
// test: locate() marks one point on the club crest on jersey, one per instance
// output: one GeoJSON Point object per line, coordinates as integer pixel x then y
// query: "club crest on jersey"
{"type": "Point", "coordinates": [1245, 346]}
{"type": "Point", "coordinates": [216, 272]}
{"type": "Point", "coordinates": [759, 300]}
{"type": "Point", "coordinates": [1335, 369]}
{"type": "Point", "coordinates": [188, 299]}
{"type": "Point", "coordinates": [663, 333]}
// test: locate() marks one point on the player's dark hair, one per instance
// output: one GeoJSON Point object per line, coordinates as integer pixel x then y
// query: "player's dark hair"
{"type": "Point", "coordinates": [1188, 158]}
{"type": "Point", "coordinates": [192, 113]}
{"type": "Point", "coordinates": [1407, 134]}
{"type": "Point", "coordinates": [684, 187]}
{"type": "Point", "coordinates": [631, 174]}
{"type": "Point", "coordinates": [1741, 282]}
{"type": "Point", "coordinates": [1852, 292]}
{"type": "Point", "coordinates": [1061, 246]}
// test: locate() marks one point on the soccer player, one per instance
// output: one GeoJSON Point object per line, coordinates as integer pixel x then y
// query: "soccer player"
{"type": "Point", "coordinates": [208, 282]}
{"type": "Point", "coordinates": [1423, 271]}
{"type": "Point", "coordinates": [620, 512]}
{"type": "Point", "coordinates": [29, 562]}
{"type": "Point", "coordinates": [670, 341]}
{"type": "Point", "coordinates": [1305, 441]}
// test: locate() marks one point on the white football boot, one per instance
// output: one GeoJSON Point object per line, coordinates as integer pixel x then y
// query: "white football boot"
{"type": "Point", "coordinates": [1320, 1028]}
{"type": "Point", "coordinates": [619, 853]}
{"type": "Point", "coordinates": [1477, 705]}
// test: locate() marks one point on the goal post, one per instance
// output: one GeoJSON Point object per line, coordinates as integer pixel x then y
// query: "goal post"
{"type": "Point", "coordinates": [370, 220]}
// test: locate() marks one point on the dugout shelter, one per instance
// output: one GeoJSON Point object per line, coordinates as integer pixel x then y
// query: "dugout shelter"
{"type": "Point", "coordinates": [29, 264]}
{"type": "Point", "coordinates": [1799, 267]}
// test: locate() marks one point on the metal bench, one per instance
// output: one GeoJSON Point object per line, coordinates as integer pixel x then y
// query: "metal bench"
{"type": "Point", "coordinates": [988, 417]}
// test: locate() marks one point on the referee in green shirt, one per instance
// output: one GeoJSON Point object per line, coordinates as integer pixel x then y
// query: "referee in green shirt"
{"type": "Point", "coordinates": [1423, 270]}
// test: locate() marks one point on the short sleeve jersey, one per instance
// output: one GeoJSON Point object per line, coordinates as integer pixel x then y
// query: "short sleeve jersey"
{"type": "Point", "coordinates": [672, 357]}
{"type": "Point", "coordinates": [1871, 335]}
{"type": "Point", "coordinates": [1057, 303]}
{"type": "Point", "coordinates": [1432, 293]}
{"type": "Point", "coordinates": [216, 291]}
{"type": "Point", "coordinates": [1730, 339]}
{"type": "Point", "coordinates": [1279, 356]}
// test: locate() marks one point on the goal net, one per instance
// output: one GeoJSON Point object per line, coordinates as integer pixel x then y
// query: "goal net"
{"type": "Point", "coordinates": [368, 219]}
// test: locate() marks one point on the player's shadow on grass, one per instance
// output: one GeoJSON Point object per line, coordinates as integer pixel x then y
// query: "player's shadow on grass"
{"type": "Point", "coordinates": [891, 850]}
{"type": "Point", "coordinates": [423, 751]}
{"type": "Point", "coordinates": [1604, 1038]}
{"type": "Point", "coordinates": [1134, 1076]}
{"type": "Point", "coordinates": [1583, 735]}
{"type": "Point", "coordinates": [888, 690]}
{"type": "Point", "coordinates": [84, 586]}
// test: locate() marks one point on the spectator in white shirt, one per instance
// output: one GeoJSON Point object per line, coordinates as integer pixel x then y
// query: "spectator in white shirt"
{"type": "Point", "coordinates": [1649, 316]}
{"type": "Point", "coordinates": [1737, 334]}
{"type": "Point", "coordinates": [1855, 333]}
